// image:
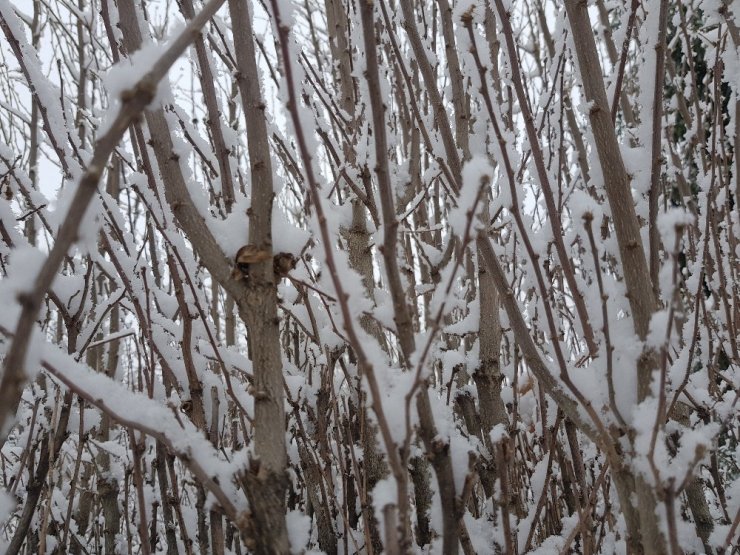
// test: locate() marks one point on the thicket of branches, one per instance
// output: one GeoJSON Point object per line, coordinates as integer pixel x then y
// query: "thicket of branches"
{"type": "Point", "coordinates": [369, 276]}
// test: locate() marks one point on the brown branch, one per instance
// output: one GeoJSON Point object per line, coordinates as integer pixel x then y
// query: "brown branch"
{"type": "Point", "coordinates": [137, 99]}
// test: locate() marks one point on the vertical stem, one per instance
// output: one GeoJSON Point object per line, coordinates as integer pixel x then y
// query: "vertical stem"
{"type": "Point", "coordinates": [656, 151]}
